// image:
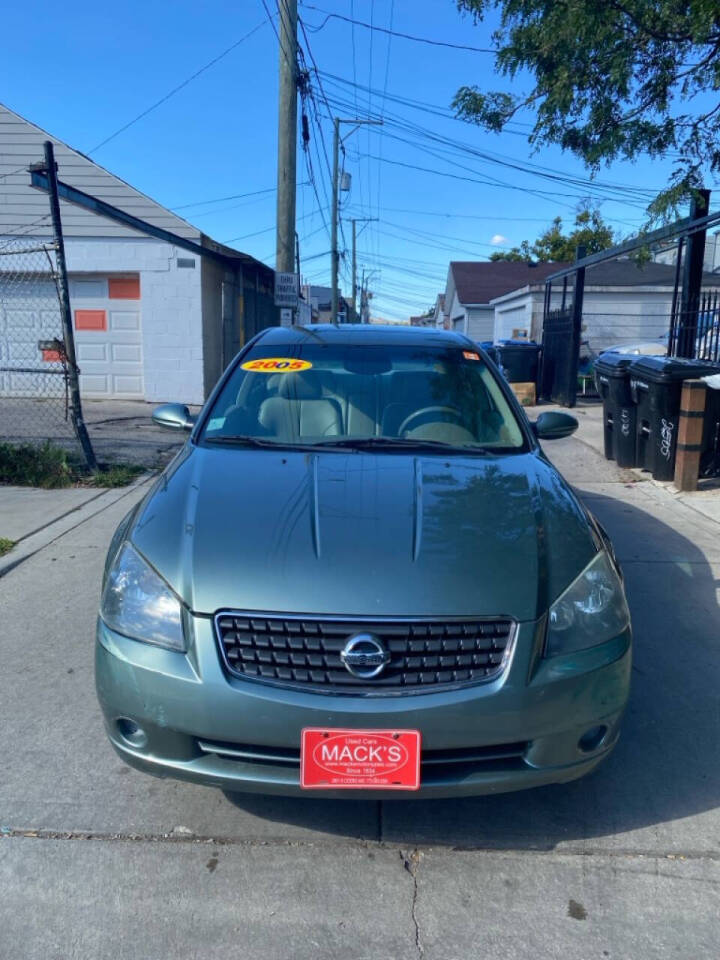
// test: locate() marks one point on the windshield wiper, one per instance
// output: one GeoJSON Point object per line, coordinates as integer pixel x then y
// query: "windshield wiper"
{"type": "Point", "coordinates": [243, 440]}
{"type": "Point", "coordinates": [349, 443]}
{"type": "Point", "coordinates": [399, 443]}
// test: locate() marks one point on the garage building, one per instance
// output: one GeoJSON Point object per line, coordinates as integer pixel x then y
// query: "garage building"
{"type": "Point", "coordinates": [152, 320]}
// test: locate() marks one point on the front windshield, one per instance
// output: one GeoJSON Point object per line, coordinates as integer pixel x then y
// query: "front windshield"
{"type": "Point", "coordinates": [330, 393]}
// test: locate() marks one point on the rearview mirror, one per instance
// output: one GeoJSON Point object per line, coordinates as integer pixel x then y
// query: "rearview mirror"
{"type": "Point", "coordinates": [173, 416]}
{"type": "Point", "coordinates": [554, 425]}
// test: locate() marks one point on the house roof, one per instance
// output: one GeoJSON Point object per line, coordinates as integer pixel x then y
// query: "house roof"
{"type": "Point", "coordinates": [21, 206]}
{"type": "Point", "coordinates": [627, 273]}
{"type": "Point", "coordinates": [25, 211]}
{"type": "Point", "coordinates": [483, 281]}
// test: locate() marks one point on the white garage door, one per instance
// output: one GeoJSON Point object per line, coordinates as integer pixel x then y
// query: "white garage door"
{"type": "Point", "coordinates": [108, 336]}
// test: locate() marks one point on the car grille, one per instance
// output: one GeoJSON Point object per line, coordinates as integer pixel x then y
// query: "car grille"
{"type": "Point", "coordinates": [436, 766]}
{"type": "Point", "coordinates": [306, 652]}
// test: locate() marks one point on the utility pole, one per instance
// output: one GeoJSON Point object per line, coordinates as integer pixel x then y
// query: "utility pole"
{"type": "Point", "coordinates": [335, 191]}
{"type": "Point", "coordinates": [354, 268]}
{"type": "Point", "coordinates": [334, 232]}
{"type": "Point", "coordinates": [364, 292]}
{"type": "Point", "coordinates": [71, 367]}
{"type": "Point", "coordinates": [354, 257]}
{"type": "Point", "coordinates": [287, 138]}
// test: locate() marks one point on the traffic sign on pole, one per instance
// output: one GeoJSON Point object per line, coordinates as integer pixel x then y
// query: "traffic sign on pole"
{"type": "Point", "coordinates": [286, 289]}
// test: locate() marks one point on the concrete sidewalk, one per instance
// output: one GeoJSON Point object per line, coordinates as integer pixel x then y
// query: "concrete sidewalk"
{"type": "Point", "coordinates": [705, 500]}
{"type": "Point", "coordinates": [35, 518]}
{"type": "Point", "coordinates": [98, 860]}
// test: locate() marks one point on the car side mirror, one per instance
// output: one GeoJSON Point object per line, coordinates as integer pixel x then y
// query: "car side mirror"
{"type": "Point", "coordinates": [173, 416]}
{"type": "Point", "coordinates": [554, 425]}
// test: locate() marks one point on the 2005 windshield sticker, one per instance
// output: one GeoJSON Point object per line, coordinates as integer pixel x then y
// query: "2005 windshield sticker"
{"type": "Point", "coordinates": [276, 365]}
{"type": "Point", "coordinates": [471, 355]}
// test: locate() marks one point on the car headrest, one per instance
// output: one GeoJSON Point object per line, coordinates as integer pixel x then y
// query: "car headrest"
{"type": "Point", "coordinates": [300, 386]}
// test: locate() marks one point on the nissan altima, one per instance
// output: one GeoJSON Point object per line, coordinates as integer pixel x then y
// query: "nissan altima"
{"type": "Point", "coordinates": [361, 573]}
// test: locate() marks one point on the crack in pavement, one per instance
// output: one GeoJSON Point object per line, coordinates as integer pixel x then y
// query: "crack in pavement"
{"type": "Point", "coordinates": [186, 836]}
{"type": "Point", "coordinates": [411, 862]}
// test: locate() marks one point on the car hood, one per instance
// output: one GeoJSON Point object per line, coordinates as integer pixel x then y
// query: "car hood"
{"type": "Point", "coordinates": [372, 534]}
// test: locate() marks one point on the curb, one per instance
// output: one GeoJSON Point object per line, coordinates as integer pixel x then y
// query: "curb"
{"type": "Point", "coordinates": [38, 540]}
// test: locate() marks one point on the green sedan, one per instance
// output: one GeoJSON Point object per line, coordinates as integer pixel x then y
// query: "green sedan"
{"type": "Point", "coordinates": [361, 573]}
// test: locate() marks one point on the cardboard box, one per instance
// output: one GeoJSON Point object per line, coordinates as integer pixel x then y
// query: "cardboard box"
{"type": "Point", "coordinates": [525, 392]}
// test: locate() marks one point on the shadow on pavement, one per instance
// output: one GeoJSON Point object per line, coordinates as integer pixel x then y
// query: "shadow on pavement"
{"type": "Point", "coordinates": [667, 764]}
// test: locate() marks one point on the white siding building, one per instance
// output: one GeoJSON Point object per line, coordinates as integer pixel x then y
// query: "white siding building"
{"type": "Point", "coordinates": [473, 286]}
{"type": "Point", "coordinates": [623, 303]}
{"type": "Point", "coordinates": [152, 320]}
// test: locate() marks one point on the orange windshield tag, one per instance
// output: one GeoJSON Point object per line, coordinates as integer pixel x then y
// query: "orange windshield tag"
{"type": "Point", "coordinates": [276, 365]}
{"type": "Point", "coordinates": [471, 355]}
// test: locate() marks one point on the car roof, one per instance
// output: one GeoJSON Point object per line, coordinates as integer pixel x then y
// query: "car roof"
{"type": "Point", "coordinates": [363, 333]}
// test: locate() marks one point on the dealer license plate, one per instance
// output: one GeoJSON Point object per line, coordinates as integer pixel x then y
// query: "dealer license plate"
{"type": "Point", "coordinates": [359, 759]}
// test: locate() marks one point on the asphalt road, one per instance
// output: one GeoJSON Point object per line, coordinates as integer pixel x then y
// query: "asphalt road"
{"type": "Point", "coordinates": [100, 861]}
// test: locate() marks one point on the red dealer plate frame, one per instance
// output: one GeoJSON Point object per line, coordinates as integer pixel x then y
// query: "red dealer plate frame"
{"type": "Point", "coordinates": [341, 759]}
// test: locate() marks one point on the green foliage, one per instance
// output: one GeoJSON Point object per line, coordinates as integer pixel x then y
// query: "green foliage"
{"type": "Point", "coordinates": [553, 246]}
{"type": "Point", "coordinates": [27, 465]}
{"type": "Point", "coordinates": [610, 80]}
{"type": "Point", "coordinates": [115, 475]}
{"type": "Point", "coordinates": [6, 546]}
{"type": "Point", "coordinates": [50, 467]}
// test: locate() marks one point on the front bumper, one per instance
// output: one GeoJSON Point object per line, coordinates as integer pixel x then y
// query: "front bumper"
{"type": "Point", "coordinates": [184, 700]}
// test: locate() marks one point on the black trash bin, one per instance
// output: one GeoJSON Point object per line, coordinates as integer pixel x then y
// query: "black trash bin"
{"type": "Point", "coordinates": [656, 386]}
{"type": "Point", "coordinates": [518, 360]}
{"type": "Point", "coordinates": [612, 377]}
{"type": "Point", "coordinates": [489, 347]}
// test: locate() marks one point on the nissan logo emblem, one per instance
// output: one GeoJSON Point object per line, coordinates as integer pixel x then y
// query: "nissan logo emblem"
{"type": "Point", "coordinates": [364, 656]}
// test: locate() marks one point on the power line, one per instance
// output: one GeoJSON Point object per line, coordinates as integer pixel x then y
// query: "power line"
{"type": "Point", "coordinates": [176, 89]}
{"type": "Point", "coordinates": [382, 106]}
{"type": "Point", "coordinates": [464, 216]}
{"type": "Point", "coordinates": [13, 172]}
{"type": "Point", "coordinates": [21, 233]}
{"type": "Point", "coordinates": [444, 142]}
{"type": "Point", "coordinates": [234, 196]}
{"type": "Point", "coordinates": [256, 233]}
{"type": "Point", "coordinates": [394, 33]}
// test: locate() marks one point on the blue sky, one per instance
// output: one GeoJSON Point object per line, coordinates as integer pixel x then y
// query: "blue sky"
{"type": "Point", "coordinates": [82, 70]}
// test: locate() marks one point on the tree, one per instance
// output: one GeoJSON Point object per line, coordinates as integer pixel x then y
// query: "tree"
{"type": "Point", "coordinates": [553, 245]}
{"type": "Point", "coordinates": [610, 79]}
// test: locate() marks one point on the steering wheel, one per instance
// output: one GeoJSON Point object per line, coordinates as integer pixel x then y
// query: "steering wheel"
{"type": "Point", "coordinates": [405, 425]}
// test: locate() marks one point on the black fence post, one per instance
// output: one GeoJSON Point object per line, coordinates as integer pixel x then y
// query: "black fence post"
{"type": "Point", "coordinates": [66, 314]}
{"type": "Point", "coordinates": [573, 355]}
{"type": "Point", "coordinates": [692, 278]}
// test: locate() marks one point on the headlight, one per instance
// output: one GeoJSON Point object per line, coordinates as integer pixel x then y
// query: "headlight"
{"type": "Point", "coordinates": [138, 603]}
{"type": "Point", "coordinates": [592, 610]}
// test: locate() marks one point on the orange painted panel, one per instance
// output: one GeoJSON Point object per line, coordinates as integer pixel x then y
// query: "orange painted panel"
{"type": "Point", "coordinates": [124, 288]}
{"type": "Point", "coordinates": [51, 356]}
{"type": "Point", "coordinates": [90, 320]}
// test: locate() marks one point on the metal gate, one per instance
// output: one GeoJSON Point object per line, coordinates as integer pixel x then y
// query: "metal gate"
{"type": "Point", "coordinates": [694, 316]}
{"type": "Point", "coordinates": [560, 357]}
{"type": "Point", "coordinates": [561, 341]}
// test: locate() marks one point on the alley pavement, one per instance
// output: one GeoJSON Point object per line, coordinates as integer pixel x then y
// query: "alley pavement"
{"type": "Point", "coordinates": [100, 861]}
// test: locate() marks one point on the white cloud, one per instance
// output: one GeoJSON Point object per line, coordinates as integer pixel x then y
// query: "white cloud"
{"type": "Point", "coordinates": [498, 240]}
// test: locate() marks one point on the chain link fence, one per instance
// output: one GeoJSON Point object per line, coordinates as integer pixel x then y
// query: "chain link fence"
{"type": "Point", "coordinates": [34, 394]}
